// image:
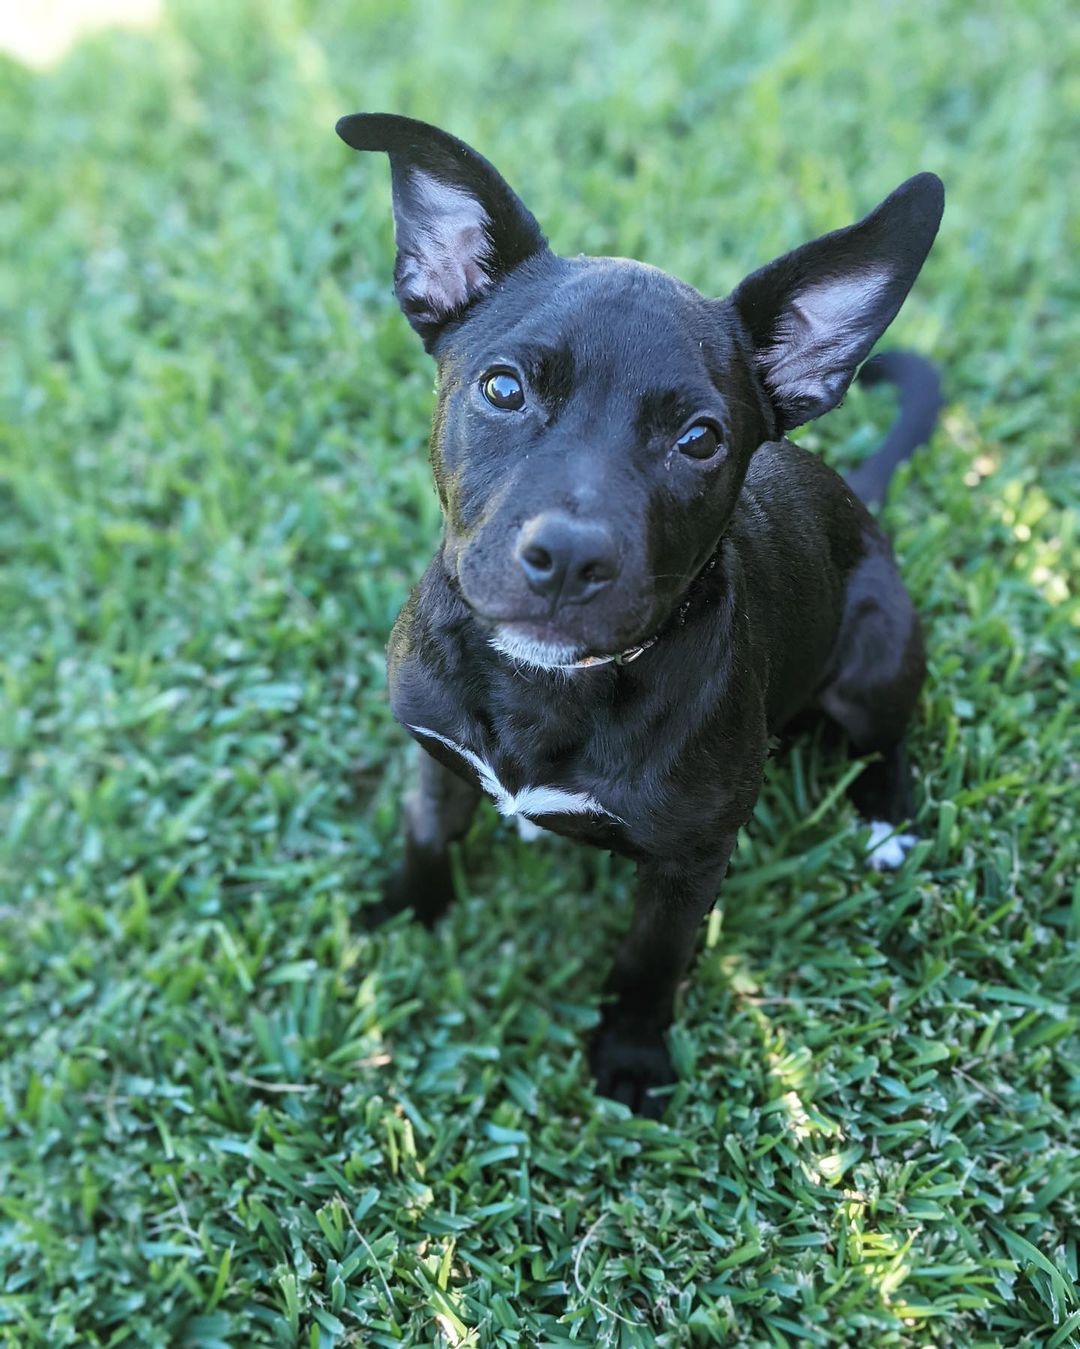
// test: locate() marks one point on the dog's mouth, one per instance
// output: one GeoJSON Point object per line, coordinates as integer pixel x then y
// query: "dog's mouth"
{"type": "Point", "coordinates": [537, 646]}
{"type": "Point", "coordinates": [552, 636]}
{"type": "Point", "coordinates": [534, 644]}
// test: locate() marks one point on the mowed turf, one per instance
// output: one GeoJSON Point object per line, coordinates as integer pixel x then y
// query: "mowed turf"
{"type": "Point", "coordinates": [228, 1114]}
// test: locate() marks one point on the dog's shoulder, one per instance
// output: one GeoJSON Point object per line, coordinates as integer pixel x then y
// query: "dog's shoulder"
{"type": "Point", "coordinates": [428, 651]}
{"type": "Point", "coordinates": [781, 469]}
{"type": "Point", "coordinates": [788, 486]}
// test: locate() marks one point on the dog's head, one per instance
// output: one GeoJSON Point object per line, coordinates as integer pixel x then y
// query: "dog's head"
{"type": "Point", "coordinates": [595, 416]}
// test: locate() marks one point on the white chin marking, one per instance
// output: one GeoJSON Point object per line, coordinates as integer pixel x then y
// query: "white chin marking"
{"type": "Point", "coordinates": [886, 849]}
{"type": "Point", "coordinates": [537, 655]}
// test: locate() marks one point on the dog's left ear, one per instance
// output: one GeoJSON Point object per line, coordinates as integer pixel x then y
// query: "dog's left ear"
{"type": "Point", "coordinates": [814, 314]}
{"type": "Point", "coordinates": [458, 225]}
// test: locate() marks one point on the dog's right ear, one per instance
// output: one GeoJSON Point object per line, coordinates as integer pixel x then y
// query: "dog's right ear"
{"type": "Point", "coordinates": [459, 226]}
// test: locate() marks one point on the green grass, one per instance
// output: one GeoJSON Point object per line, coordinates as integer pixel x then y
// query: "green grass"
{"type": "Point", "coordinates": [228, 1115]}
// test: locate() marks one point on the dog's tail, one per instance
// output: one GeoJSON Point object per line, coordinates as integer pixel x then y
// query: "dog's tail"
{"type": "Point", "coordinates": [919, 386]}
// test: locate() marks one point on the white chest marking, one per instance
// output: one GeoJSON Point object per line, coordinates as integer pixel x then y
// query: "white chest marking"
{"type": "Point", "coordinates": [527, 801]}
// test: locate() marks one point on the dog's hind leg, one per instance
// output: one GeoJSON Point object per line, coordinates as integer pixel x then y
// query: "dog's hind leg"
{"type": "Point", "coordinates": [437, 813]}
{"type": "Point", "coordinates": [871, 693]}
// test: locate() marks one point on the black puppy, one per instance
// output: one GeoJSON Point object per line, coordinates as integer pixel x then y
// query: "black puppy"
{"type": "Point", "coordinates": [640, 579]}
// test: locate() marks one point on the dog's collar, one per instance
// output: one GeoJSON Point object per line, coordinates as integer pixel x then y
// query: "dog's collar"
{"type": "Point", "coordinates": [623, 658]}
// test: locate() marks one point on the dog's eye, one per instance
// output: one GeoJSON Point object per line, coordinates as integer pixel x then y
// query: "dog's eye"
{"type": "Point", "coordinates": [700, 442]}
{"type": "Point", "coordinates": [503, 390]}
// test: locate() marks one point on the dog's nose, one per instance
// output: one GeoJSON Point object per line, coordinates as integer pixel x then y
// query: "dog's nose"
{"type": "Point", "coordinates": [565, 558]}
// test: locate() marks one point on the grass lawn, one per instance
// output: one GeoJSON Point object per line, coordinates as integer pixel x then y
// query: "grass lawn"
{"type": "Point", "coordinates": [228, 1115]}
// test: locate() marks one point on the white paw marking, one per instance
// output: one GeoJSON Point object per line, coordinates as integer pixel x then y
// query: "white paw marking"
{"type": "Point", "coordinates": [528, 800]}
{"type": "Point", "coordinates": [528, 832]}
{"type": "Point", "coordinates": [886, 849]}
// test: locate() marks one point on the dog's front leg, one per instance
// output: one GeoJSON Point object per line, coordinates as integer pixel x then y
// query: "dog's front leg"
{"type": "Point", "coordinates": [628, 1053]}
{"type": "Point", "coordinates": [437, 813]}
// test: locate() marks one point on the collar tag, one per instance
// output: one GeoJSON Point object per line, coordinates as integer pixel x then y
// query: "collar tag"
{"type": "Point", "coordinates": [623, 658]}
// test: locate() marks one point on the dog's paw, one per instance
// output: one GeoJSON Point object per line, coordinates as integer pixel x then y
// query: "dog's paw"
{"type": "Point", "coordinates": [427, 897]}
{"type": "Point", "coordinates": [390, 903]}
{"type": "Point", "coordinates": [886, 849]}
{"type": "Point", "coordinates": [628, 1062]}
